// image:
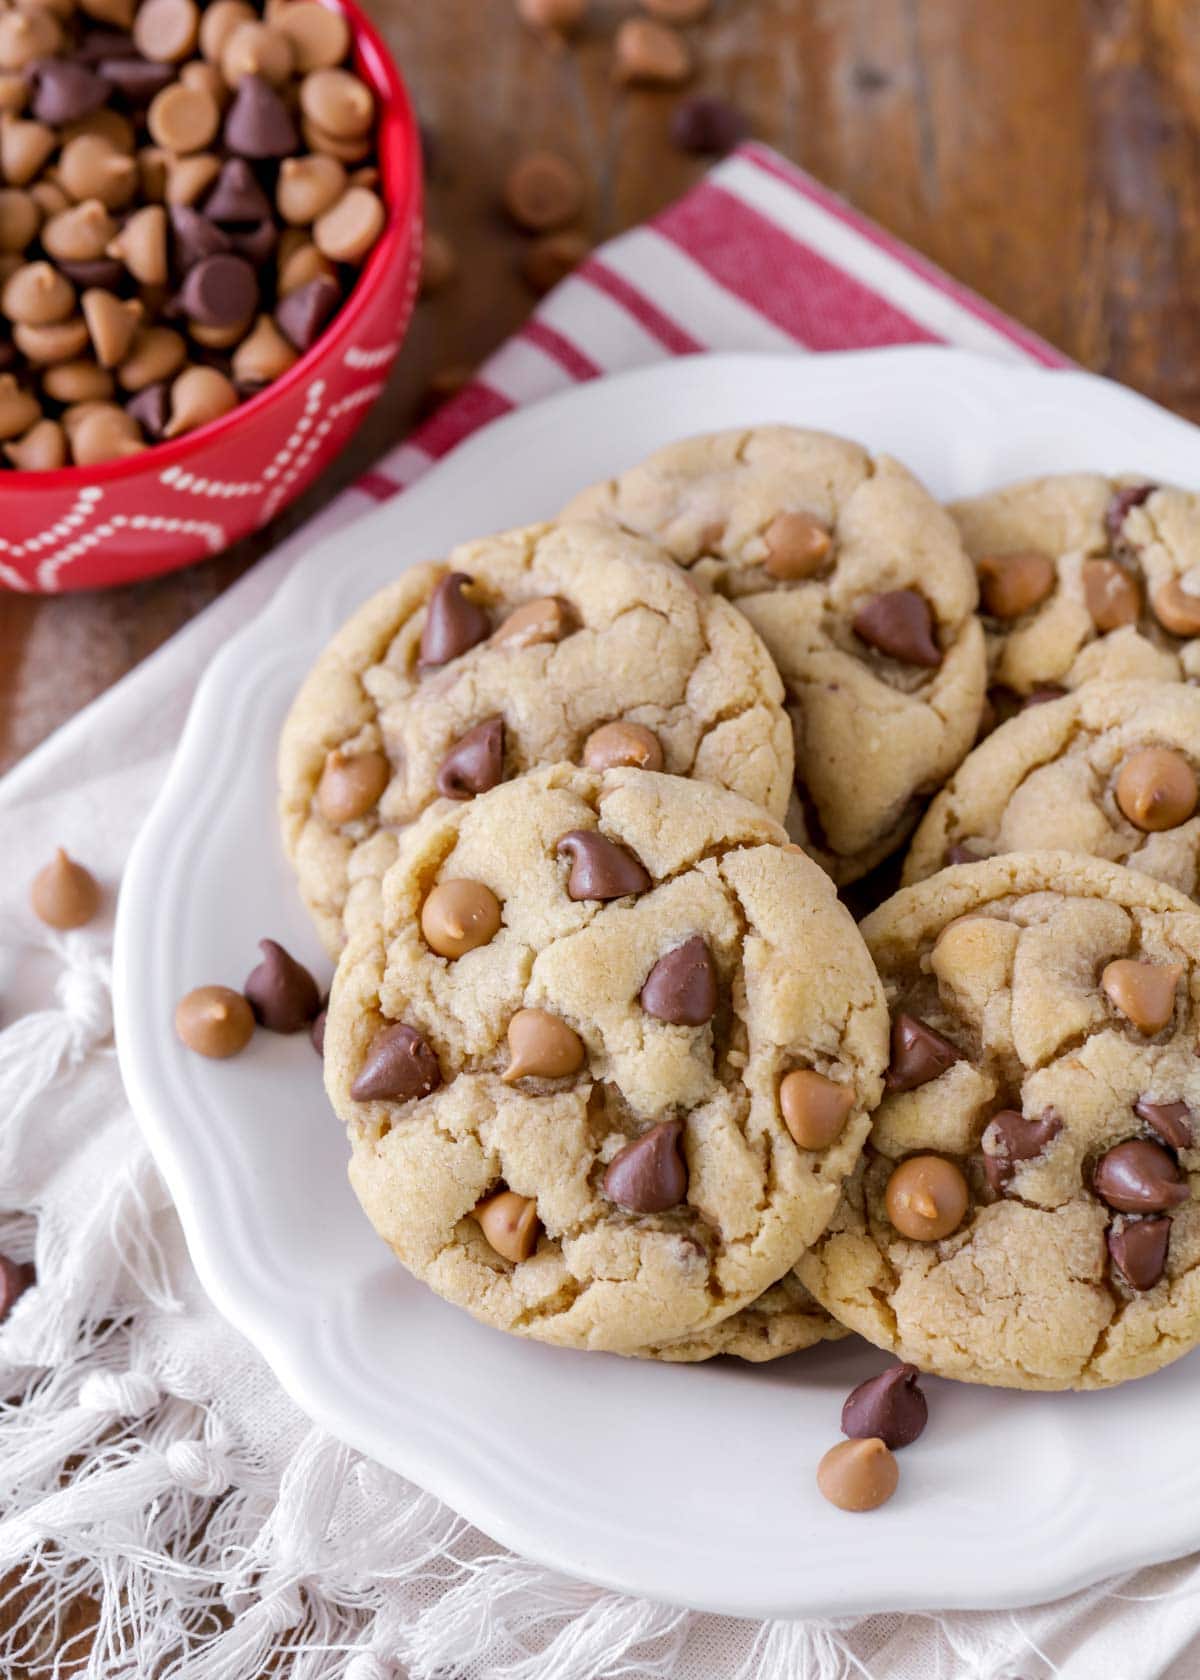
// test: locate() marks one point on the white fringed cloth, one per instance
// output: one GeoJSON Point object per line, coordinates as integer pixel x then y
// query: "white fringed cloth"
{"type": "Point", "coordinates": [150, 1466]}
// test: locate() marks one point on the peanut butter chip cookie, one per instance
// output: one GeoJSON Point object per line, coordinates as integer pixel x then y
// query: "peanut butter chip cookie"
{"type": "Point", "coordinates": [1112, 770]}
{"type": "Point", "coordinates": [859, 586]}
{"type": "Point", "coordinates": [1084, 577]}
{"type": "Point", "coordinates": [574, 1128]}
{"type": "Point", "coordinates": [785, 1319]}
{"type": "Point", "coordinates": [574, 643]}
{"type": "Point", "coordinates": [1026, 1212]}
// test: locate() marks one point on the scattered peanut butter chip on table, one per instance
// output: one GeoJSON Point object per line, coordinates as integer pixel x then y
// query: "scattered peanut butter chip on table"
{"type": "Point", "coordinates": [64, 894]}
{"type": "Point", "coordinates": [542, 191]}
{"type": "Point", "coordinates": [651, 54]}
{"type": "Point", "coordinates": [858, 1475]}
{"type": "Point", "coordinates": [612, 1061]}
{"type": "Point", "coordinates": [214, 1021]}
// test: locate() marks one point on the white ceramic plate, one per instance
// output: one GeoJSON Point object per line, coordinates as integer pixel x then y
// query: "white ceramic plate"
{"type": "Point", "coordinates": [689, 1484]}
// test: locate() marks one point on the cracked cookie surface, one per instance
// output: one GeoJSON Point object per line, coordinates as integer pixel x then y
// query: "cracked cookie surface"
{"type": "Point", "coordinates": [597, 1083]}
{"type": "Point", "coordinates": [557, 632]}
{"type": "Point", "coordinates": [1084, 577]}
{"type": "Point", "coordinates": [857, 582]}
{"type": "Point", "coordinates": [1109, 770]}
{"type": "Point", "coordinates": [785, 1319]}
{"type": "Point", "coordinates": [1025, 1212]}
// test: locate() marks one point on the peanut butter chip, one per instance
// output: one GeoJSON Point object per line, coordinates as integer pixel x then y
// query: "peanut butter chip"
{"type": "Point", "coordinates": [18, 409]}
{"type": "Point", "coordinates": [214, 1021]}
{"type": "Point", "coordinates": [262, 356]}
{"type": "Point", "coordinates": [544, 620]}
{"type": "Point", "coordinates": [651, 53]}
{"type": "Point", "coordinates": [338, 103]}
{"type": "Point", "coordinates": [814, 1109]}
{"type": "Point", "coordinates": [623, 743]}
{"type": "Point", "coordinates": [563, 15]}
{"type": "Point", "coordinates": [257, 49]}
{"type": "Point", "coordinates": [105, 433]}
{"type": "Point", "coordinates": [77, 382]}
{"type": "Point", "coordinates": [926, 1198]}
{"type": "Point", "coordinates": [183, 119]}
{"type": "Point", "coordinates": [58, 341]}
{"type": "Point", "coordinates": [19, 219]}
{"type": "Point", "coordinates": [347, 232]}
{"type": "Point", "coordinates": [797, 546]}
{"type": "Point", "coordinates": [1112, 595]}
{"type": "Point", "coordinates": [439, 264]}
{"type": "Point", "coordinates": [199, 395]}
{"type": "Point", "coordinates": [1144, 992]}
{"type": "Point", "coordinates": [543, 191]}
{"type": "Point", "coordinates": [156, 353]}
{"type": "Point", "coordinates": [37, 294]}
{"type": "Point", "coordinates": [351, 785]}
{"type": "Point", "coordinates": [1157, 789]}
{"type": "Point", "coordinates": [320, 37]}
{"type": "Point", "coordinates": [90, 167]}
{"type": "Point", "coordinates": [142, 245]}
{"type": "Point", "coordinates": [79, 234]}
{"type": "Point", "coordinates": [24, 146]}
{"type": "Point", "coordinates": [166, 31]}
{"type": "Point", "coordinates": [1012, 584]}
{"type": "Point", "coordinates": [458, 916]}
{"type": "Point", "coordinates": [218, 23]}
{"type": "Point", "coordinates": [27, 36]}
{"type": "Point", "coordinates": [189, 178]}
{"type": "Point", "coordinates": [1176, 608]}
{"type": "Point", "coordinates": [64, 894]}
{"type": "Point", "coordinates": [510, 1224]}
{"type": "Point", "coordinates": [42, 449]}
{"type": "Point", "coordinates": [858, 1475]}
{"type": "Point", "coordinates": [307, 187]}
{"type": "Point", "coordinates": [111, 322]}
{"type": "Point", "coordinates": [541, 1045]}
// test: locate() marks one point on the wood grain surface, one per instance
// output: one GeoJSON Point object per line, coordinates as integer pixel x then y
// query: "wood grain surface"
{"type": "Point", "coordinates": [1046, 154]}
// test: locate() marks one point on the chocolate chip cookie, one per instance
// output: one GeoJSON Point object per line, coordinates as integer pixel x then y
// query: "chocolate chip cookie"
{"type": "Point", "coordinates": [858, 584]}
{"type": "Point", "coordinates": [607, 1059]}
{"type": "Point", "coordinates": [1111, 770]}
{"type": "Point", "coordinates": [1084, 577]}
{"type": "Point", "coordinates": [1026, 1210]}
{"type": "Point", "coordinates": [554, 643]}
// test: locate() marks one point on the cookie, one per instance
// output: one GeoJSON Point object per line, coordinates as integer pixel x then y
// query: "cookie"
{"type": "Point", "coordinates": [608, 1058]}
{"type": "Point", "coordinates": [1026, 1212]}
{"type": "Point", "coordinates": [785, 1319]}
{"type": "Point", "coordinates": [857, 583]}
{"type": "Point", "coordinates": [1083, 577]}
{"type": "Point", "coordinates": [548, 644]}
{"type": "Point", "coordinates": [1110, 770]}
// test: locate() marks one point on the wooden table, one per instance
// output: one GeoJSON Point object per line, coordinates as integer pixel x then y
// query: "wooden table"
{"type": "Point", "coordinates": [1047, 152]}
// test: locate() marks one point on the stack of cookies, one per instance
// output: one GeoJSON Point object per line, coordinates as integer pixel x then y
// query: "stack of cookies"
{"type": "Point", "coordinates": [581, 810]}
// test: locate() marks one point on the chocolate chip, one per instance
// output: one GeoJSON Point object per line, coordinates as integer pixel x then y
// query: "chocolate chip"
{"type": "Point", "coordinates": [151, 408]}
{"type": "Point", "coordinates": [258, 123]}
{"type": "Point", "coordinates": [104, 272]}
{"type": "Point", "coordinates": [316, 1033]}
{"type": "Point", "coordinates": [399, 1065]}
{"type": "Point", "coordinates": [257, 244]}
{"type": "Point", "coordinates": [707, 126]}
{"type": "Point", "coordinates": [1122, 505]}
{"type": "Point", "coordinates": [236, 195]}
{"type": "Point", "coordinates": [918, 1054]}
{"type": "Point", "coordinates": [1171, 1120]}
{"type": "Point", "coordinates": [65, 91]}
{"type": "Point", "coordinates": [219, 291]}
{"type": "Point", "coordinates": [890, 1407]}
{"type": "Point", "coordinates": [1138, 1249]}
{"type": "Point", "coordinates": [1139, 1177]}
{"type": "Point", "coordinates": [15, 1279]}
{"type": "Point", "coordinates": [281, 992]}
{"type": "Point", "coordinates": [195, 236]}
{"type": "Point", "coordinates": [600, 868]}
{"type": "Point", "coordinates": [650, 1174]}
{"type": "Point", "coordinates": [1009, 1137]}
{"type": "Point", "coordinates": [136, 78]}
{"type": "Point", "coordinates": [302, 314]}
{"type": "Point", "coordinates": [95, 45]}
{"type": "Point", "coordinates": [899, 623]}
{"type": "Point", "coordinates": [681, 988]}
{"type": "Point", "coordinates": [475, 762]}
{"type": "Point", "coordinates": [453, 622]}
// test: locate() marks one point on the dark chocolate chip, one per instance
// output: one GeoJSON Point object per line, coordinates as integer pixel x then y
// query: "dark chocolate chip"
{"type": "Point", "coordinates": [918, 1054]}
{"type": "Point", "coordinates": [98, 44]}
{"type": "Point", "coordinates": [1010, 1138]}
{"type": "Point", "coordinates": [65, 91]}
{"type": "Point", "coordinates": [650, 1174]}
{"type": "Point", "coordinates": [258, 123]}
{"type": "Point", "coordinates": [15, 1278]}
{"type": "Point", "coordinates": [600, 868]}
{"type": "Point", "coordinates": [1138, 1249]}
{"type": "Point", "coordinates": [1139, 1177]}
{"type": "Point", "coordinates": [890, 1406]}
{"type": "Point", "coordinates": [195, 237]}
{"type": "Point", "coordinates": [105, 272]}
{"type": "Point", "coordinates": [258, 244]}
{"type": "Point", "coordinates": [151, 408]}
{"type": "Point", "coordinates": [281, 992]}
{"type": "Point", "coordinates": [899, 623]}
{"type": "Point", "coordinates": [137, 78]}
{"type": "Point", "coordinates": [399, 1064]}
{"type": "Point", "coordinates": [707, 125]}
{"type": "Point", "coordinates": [316, 1033]}
{"type": "Point", "coordinates": [475, 762]}
{"type": "Point", "coordinates": [1172, 1121]}
{"type": "Point", "coordinates": [453, 623]}
{"type": "Point", "coordinates": [302, 314]}
{"type": "Point", "coordinates": [1121, 505]}
{"type": "Point", "coordinates": [236, 195]}
{"type": "Point", "coordinates": [219, 291]}
{"type": "Point", "coordinates": [682, 986]}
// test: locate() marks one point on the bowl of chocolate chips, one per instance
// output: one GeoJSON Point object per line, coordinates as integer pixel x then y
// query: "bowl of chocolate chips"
{"type": "Point", "coordinates": [209, 240]}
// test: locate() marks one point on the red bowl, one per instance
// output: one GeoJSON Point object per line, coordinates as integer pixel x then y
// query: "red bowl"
{"type": "Point", "coordinates": [91, 527]}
